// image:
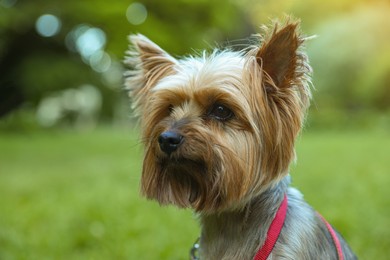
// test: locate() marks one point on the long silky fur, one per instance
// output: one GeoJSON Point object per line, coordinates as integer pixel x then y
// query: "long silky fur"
{"type": "Point", "coordinates": [232, 172]}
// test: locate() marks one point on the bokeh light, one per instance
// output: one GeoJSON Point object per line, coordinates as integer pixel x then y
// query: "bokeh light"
{"type": "Point", "coordinates": [100, 61]}
{"type": "Point", "coordinates": [82, 103]}
{"type": "Point", "coordinates": [90, 41]}
{"type": "Point", "coordinates": [48, 25]}
{"type": "Point", "coordinates": [136, 13]}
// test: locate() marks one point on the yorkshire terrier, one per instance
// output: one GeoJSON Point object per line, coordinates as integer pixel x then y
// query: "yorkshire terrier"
{"type": "Point", "coordinates": [219, 133]}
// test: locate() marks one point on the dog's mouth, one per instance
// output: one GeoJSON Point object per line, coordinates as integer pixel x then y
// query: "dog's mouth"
{"type": "Point", "coordinates": [183, 169]}
{"type": "Point", "coordinates": [182, 164]}
{"type": "Point", "coordinates": [187, 176]}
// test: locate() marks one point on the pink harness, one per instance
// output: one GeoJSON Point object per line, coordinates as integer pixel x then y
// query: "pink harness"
{"type": "Point", "coordinates": [336, 240]}
{"type": "Point", "coordinates": [276, 227]}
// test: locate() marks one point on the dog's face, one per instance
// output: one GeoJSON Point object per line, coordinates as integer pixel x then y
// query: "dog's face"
{"type": "Point", "coordinates": [220, 128]}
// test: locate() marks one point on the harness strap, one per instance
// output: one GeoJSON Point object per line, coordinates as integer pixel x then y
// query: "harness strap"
{"type": "Point", "coordinates": [273, 232]}
{"type": "Point", "coordinates": [335, 238]}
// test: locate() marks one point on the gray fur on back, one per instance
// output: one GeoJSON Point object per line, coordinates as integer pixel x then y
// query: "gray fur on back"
{"type": "Point", "coordinates": [238, 235]}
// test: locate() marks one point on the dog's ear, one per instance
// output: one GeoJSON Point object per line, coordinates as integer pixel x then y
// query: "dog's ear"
{"type": "Point", "coordinates": [280, 75]}
{"type": "Point", "coordinates": [278, 56]}
{"type": "Point", "coordinates": [147, 64]}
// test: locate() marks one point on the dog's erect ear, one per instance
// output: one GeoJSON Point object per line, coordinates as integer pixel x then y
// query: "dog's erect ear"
{"type": "Point", "coordinates": [148, 63]}
{"type": "Point", "coordinates": [278, 56]}
{"type": "Point", "coordinates": [280, 74]}
{"type": "Point", "coordinates": [151, 56]}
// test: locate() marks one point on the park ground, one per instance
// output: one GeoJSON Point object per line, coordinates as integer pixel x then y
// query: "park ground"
{"type": "Point", "coordinates": [75, 195]}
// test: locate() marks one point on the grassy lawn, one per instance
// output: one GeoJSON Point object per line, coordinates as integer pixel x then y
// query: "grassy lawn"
{"type": "Point", "coordinates": [73, 195]}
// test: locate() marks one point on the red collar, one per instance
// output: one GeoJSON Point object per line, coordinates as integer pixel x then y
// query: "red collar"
{"type": "Point", "coordinates": [276, 227]}
{"type": "Point", "coordinates": [273, 235]}
{"type": "Point", "coordinates": [273, 232]}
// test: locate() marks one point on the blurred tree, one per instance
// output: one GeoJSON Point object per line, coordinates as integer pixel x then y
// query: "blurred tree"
{"type": "Point", "coordinates": [350, 56]}
{"type": "Point", "coordinates": [34, 66]}
{"type": "Point", "coordinates": [351, 60]}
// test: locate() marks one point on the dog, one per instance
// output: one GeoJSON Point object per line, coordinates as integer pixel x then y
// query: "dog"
{"type": "Point", "coordinates": [219, 132]}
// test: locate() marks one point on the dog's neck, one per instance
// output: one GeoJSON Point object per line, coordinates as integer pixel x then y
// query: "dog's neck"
{"type": "Point", "coordinates": [238, 234]}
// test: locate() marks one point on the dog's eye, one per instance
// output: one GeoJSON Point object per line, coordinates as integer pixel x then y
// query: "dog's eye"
{"type": "Point", "coordinates": [220, 112]}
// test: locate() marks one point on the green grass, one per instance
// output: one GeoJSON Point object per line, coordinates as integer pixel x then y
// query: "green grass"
{"type": "Point", "coordinates": [74, 195]}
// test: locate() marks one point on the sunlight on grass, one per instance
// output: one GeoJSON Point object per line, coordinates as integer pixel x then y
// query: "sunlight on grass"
{"type": "Point", "coordinates": [345, 176]}
{"type": "Point", "coordinates": [71, 195]}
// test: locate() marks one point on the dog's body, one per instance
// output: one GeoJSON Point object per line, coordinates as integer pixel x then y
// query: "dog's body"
{"type": "Point", "coordinates": [219, 135]}
{"type": "Point", "coordinates": [238, 235]}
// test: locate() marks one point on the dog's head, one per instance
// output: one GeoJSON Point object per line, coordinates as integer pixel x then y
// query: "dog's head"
{"type": "Point", "coordinates": [219, 128]}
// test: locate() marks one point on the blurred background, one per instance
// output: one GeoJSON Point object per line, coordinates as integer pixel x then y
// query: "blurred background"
{"type": "Point", "coordinates": [69, 152]}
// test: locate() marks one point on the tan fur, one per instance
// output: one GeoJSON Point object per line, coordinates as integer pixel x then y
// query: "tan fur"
{"type": "Point", "coordinates": [232, 170]}
{"type": "Point", "coordinates": [238, 158]}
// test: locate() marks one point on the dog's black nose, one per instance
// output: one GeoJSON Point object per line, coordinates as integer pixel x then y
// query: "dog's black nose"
{"type": "Point", "coordinates": [169, 141]}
